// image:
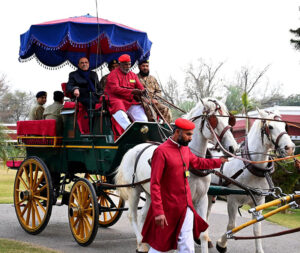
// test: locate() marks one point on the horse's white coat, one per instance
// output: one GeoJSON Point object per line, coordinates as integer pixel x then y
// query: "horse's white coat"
{"type": "Point", "coordinates": [261, 149]}
{"type": "Point", "coordinates": [199, 185]}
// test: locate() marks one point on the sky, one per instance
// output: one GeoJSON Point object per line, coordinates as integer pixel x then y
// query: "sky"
{"type": "Point", "coordinates": [253, 33]}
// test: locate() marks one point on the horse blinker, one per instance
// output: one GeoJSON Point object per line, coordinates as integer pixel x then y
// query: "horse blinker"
{"type": "Point", "coordinates": [213, 121]}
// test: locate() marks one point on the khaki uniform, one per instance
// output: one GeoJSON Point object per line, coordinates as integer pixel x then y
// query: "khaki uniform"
{"type": "Point", "coordinates": [151, 84]}
{"type": "Point", "coordinates": [53, 112]}
{"type": "Point", "coordinates": [36, 112]}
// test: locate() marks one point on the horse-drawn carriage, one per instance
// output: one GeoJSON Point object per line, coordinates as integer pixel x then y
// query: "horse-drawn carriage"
{"type": "Point", "coordinates": [89, 161]}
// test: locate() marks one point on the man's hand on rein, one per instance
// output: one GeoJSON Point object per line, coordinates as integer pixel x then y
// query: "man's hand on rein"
{"type": "Point", "coordinates": [154, 101]}
{"type": "Point", "coordinates": [224, 159]}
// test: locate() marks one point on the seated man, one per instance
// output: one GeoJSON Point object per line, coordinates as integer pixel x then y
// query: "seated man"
{"type": "Point", "coordinates": [36, 112]}
{"type": "Point", "coordinates": [123, 90]}
{"type": "Point", "coordinates": [82, 82]}
{"type": "Point", "coordinates": [111, 66]}
{"type": "Point", "coordinates": [151, 85]}
{"type": "Point", "coordinates": [53, 111]}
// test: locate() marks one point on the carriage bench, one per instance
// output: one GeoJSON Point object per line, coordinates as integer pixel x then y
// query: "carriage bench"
{"type": "Point", "coordinates": [40, 133]}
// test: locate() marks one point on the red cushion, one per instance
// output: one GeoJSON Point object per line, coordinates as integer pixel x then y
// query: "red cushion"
{"type": "Point", "coordinates": [69, 105]}
{"type": "Point", "coordinates": [45, 127]}
{"type": "Point", "coordinates": [13, 164]}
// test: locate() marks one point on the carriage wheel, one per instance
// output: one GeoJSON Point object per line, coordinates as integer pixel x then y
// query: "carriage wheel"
{"type": "Point", "coordinates": [83, 212]}
{"type": "Point", "coordinates": [33, 195]}
{"type": "Point", "coordinates": [107, 200]}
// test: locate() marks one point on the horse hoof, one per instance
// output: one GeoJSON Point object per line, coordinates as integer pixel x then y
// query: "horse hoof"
{"type": "Point", "coordinates": [210, 244]}
{"type": "Point", "coordinates": [220, 249]}
{"type": "Point", "coordinates": [197, 241]}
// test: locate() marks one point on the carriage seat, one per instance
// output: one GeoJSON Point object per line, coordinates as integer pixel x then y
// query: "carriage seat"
{"type": "Point", "coordinates": [13, 164]}
{"type": "Point", "coordinates": [38, 132]}
{"type": "Point", "coordinates": [45, 127]}
{"type": "Point", "coordinates": [69, 105]}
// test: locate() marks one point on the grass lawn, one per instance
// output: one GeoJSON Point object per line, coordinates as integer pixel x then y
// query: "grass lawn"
{"type": "Point", "coordinates": [7, 179]}
{"type": "Point", "coordinates": [13, 246]}
{"type": "Point", "coordinates": [291, 219]}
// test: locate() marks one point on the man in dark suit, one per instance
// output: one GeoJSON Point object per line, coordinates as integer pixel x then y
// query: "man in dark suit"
{"type": "Point", "coordinates": [82, 82]}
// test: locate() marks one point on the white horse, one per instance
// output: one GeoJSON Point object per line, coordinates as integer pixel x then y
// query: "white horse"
{"type": "Point", "coordinates": [263, 137]}
{"type": "Point", "coordinates": [199, 185]}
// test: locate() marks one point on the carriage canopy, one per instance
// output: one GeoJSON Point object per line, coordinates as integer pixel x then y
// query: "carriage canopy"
{"type": "Point", "coordinates": [58, 42]}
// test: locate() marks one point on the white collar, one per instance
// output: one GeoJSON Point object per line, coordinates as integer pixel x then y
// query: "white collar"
{"type": "Point", "coordinates": [175, 142]}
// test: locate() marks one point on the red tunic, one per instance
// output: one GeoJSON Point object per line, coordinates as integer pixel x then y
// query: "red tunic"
{"type": "Point", "coordinates": [171, 195]}
{"type": "Point", "coordinates": [118, 90]}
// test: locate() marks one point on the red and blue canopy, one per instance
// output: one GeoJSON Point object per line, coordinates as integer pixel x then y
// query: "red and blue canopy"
{"type": "Point", "coordinates": [58, 42]}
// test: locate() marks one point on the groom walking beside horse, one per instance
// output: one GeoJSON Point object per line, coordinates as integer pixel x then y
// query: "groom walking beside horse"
{"type": "Point", "coordinates": [172, 221]}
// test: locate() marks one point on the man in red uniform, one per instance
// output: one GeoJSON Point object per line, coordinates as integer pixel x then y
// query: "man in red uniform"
{"type": "Point", "coordinates": [124, 91]}
{"type": "Point", "coordinates": [172, 221]}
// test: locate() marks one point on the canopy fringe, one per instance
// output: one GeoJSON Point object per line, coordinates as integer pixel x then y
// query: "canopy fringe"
{"type": "Point", "coordinates": [67, 39]}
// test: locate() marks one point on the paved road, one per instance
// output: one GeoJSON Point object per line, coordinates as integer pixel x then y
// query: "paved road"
{"type": "Point", "coordinates": [120, 238]}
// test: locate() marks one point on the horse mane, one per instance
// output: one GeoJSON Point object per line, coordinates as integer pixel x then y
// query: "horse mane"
{"type": "Point", "coordinates": [198, 108]}
{"type": "Point", "coordinates": [269, 115]}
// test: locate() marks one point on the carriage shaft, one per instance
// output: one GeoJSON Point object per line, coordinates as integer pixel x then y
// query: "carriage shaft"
{"type": "Point", "coordinates": [275, 202]}
{"type": "Point", "coordinates": [259, 218]}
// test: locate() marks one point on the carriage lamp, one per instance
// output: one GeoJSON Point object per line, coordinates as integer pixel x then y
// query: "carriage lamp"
{"type": "Point", "coordinates": [144, 129]}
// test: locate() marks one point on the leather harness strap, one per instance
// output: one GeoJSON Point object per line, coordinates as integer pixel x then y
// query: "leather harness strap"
{"type": "Point", "coordinates": [137, 160]}
{"type": "Point", "coordinates": [259, 172]}
{"type": "Point", "coordinates": [285, 232]}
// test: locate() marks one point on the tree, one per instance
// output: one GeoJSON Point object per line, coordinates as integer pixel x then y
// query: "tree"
{"type": "Point", "coordinates": [292, 100]}
{"type": "Point", "coordinates": [171, 91]}
{"type": "Point", "coordinates": [3, 85]}
{"type": "Point", "coordinates": [201, 81]}
{"type": "Point", "coordinates": [185, 106]}
{"type": "Point", "coordinates": [3, 138]}
{"type": "Point", "coordinates": [296, 42]}
{"type": "Point", "coordinates": [233, 100]}
{"type": "Point", "coordinates": [248, 81]}
{"type": "Point", "coordinates": [15, 106]}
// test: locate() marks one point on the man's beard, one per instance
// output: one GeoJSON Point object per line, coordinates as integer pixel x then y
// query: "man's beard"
{"type": "Point", "coordinates": [143, 74]}
{"type": "Point", "coordinates": [125, 71]}
{"type": "Point", "coordinates": [182, 142]}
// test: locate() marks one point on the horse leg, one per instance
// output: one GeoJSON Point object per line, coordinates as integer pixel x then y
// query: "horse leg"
{"type": "Point", "coordinates": [232, 208]}
{"type": "Point", "coordinates": [201, 208]}
{"type": "Point", "coordinates": [210, 204]}
{"type": "Point", "coordinates": [133, 201]}
{"type": "Point", "coordinates": [142, 247]}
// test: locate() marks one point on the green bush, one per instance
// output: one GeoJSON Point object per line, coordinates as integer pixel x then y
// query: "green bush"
{"type": "Point", "coordinates": [286, 181]}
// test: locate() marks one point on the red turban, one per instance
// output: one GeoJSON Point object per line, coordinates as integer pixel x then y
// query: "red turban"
{"type": "Point", "coordinates": [184, 124]}
{"type": "Point", "coordinates": [124, 58]}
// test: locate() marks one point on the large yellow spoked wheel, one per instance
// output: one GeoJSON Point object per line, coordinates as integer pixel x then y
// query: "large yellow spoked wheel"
{"type": "Point", "coordinates": [83, 212]}
{"type": "Point", "coordinates": [33, 195]}
{"type": "Point", "coordinates": [108, 201]}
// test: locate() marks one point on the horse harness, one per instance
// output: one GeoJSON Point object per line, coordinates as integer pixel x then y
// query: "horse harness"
{"type": "Point", "coordinates": [213, 121]}
{"type": "Point", "coordinates": [266, 130]}
{"type": "Point", "coordinates": [137, 161]}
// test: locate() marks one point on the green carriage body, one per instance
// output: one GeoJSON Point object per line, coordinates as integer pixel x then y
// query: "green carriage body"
{"type": "Point", "coordinates": [94, 153]}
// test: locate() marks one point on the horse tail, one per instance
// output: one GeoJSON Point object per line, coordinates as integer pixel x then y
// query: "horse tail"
{"type": "Point", "coordinates": [119, 180]}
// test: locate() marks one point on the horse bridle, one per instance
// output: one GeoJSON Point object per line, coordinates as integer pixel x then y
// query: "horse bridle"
{"type": "Point", "coordinates": [266, 130]}
{"type": "Point", "coordinates": [213, 120]}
